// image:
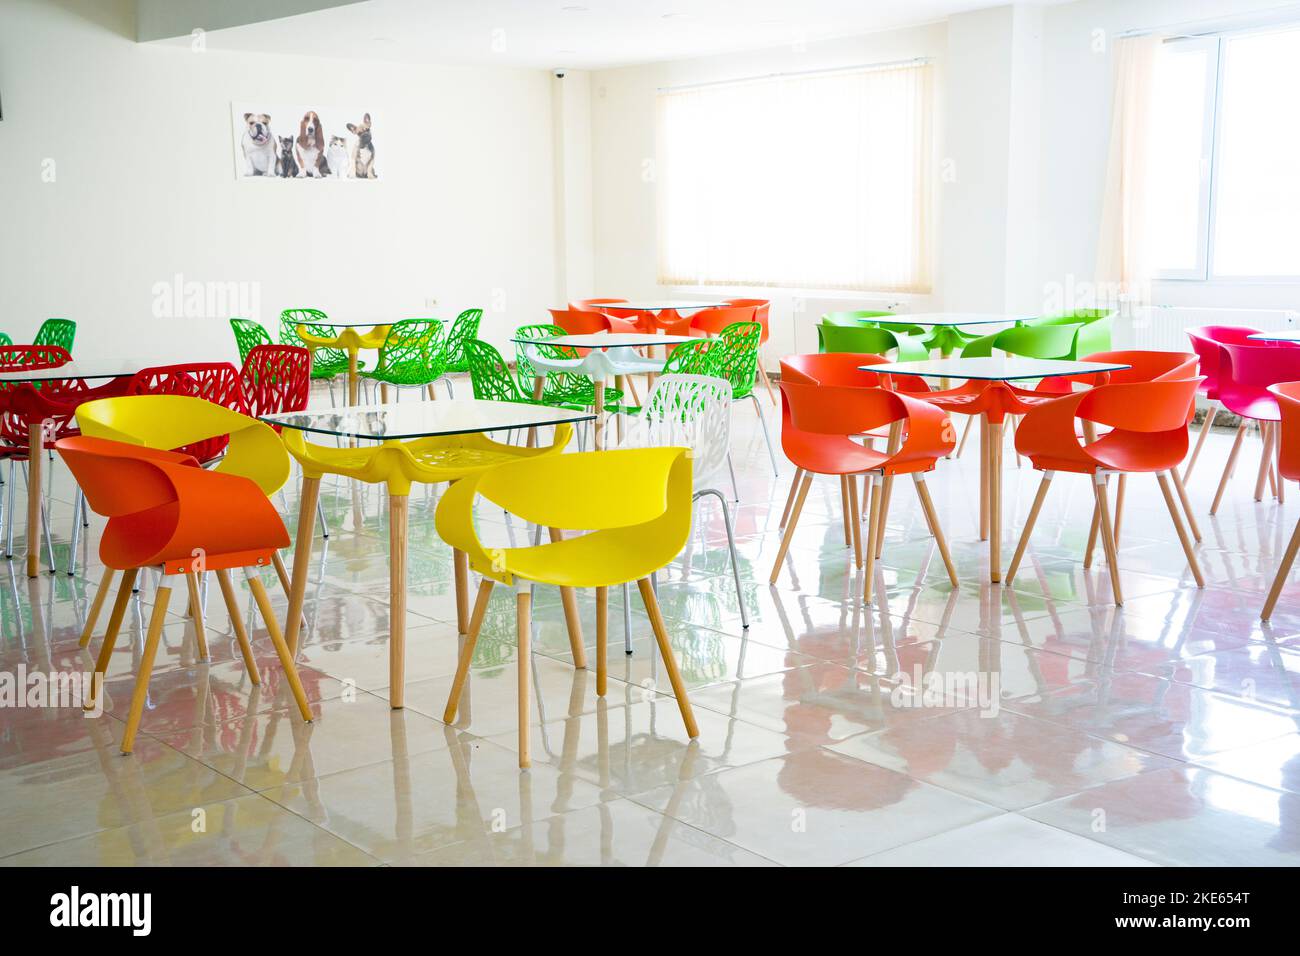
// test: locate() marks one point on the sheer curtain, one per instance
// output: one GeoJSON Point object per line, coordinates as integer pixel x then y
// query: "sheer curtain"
{"type": "Point", "coordinates": [1123, 264]}
{"type": "Point", "coordinates": [817, 181]}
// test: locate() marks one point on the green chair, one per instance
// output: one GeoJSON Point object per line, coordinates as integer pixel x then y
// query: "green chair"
{"type": "Point", "coordinates": [5, 340]}
{"type": "Point", "coordinates": [490, 376]}
{"type": "Point", "coordinates": [870, 340]}
{"type": "Point", "coordinates": [734, 356]}
{"type": "Point", "coordinates": [411, 356]}
{"type": "Point", "coordinates": [249, 334]}
{"type": "Point", "coordinates": [562, 389]}
{"type": "Point", "coordinates": [464, 329]}
{"type": "Point", "coordinates": [1094, 334]}
{"type": "Point", "coordinates": [326, 363]}
{"type": "Point", "coordinates": [58, 332]}
{"type": "Point", "coordinates": [1055, 337]}
{"type": "Point", "coordinates": [688, 358]}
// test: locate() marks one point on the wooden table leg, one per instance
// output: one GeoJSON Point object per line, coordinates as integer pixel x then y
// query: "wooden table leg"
{"type": "Point", "coordinates": [600, 416]}
{"type": "Point", "coordinates": [984, 477]}
{"type": "Point", "coordinates": [352, 376]}
{"type": "Point", "coordinates": [620, 383]}
{"type": "Point", "coordinates": [397, 600]}
{"type": "Point", "coordinates": [307, 499]}
{"type": "Point", "coordinates": [995, 501]}
{"type": "Point", "coordinates": [35, 457]}
{"type": "Point", "coordinates": [539, 385]}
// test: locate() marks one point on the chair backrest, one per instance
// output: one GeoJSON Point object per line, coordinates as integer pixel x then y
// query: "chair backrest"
{"type": "Point", "coordinates": [1147, 407]}
{"type": "Point", "coordinates": [690, 358]}
{"type": "Point", "coordinates": [762, 314]}
{"type": "Point", "coordinates": [162, 508]}
{"type": "Point", "coordinates": [177, 423]}
{"type": "Point", "coordinates": [1143, 366]}
{"type": "Point", "coordinates": [734, 356]}
{"type": "Point", "coordinates": [557, 385]}
{"type": "Point", "coordinates": [858, 339]}
{"type": "Point", "coordinates": [1038, 341]}
{"type": "Point", "coordinates": [316, 323]}
{"type": "Point", "coordinates": [276, 378]}
{"type": "Point", "coordinates": [580, 321]}
{"type": "Point", "coordinates": [831, 368]}
{"type": "Point", "coordinates": [1254, 366]}
{"type": "Point", "coordinates": [5, 339]}
{"type": "Point", "coordinates": [215, 382]}
{"type": "Point", "coordinates": [247, 335]}
{"type": "Point", "coordinates": [464, 329]}
{"type": "Point", "coordinates": [1207, 341]}
{"type": "Point", "coordinates": [609, 306]}
{"type": "Point", "coordinates": [1073, 317]}
{"type": "Point", "coordinates": [690, 411]}
{"type": "Point", "coordinates": [713, 321]}
{"type": "Point", "coordinates": [59, 332]}
{"type": "Point", "coordinates": [489, 374]}
{"type": "Point", "coordinates": [854, 319]}
{"type": "Point", "coordinates": [413, 349]}
{"type": "Point", "coordinates": [846, 411]}
{"type": "Point", "coordinates": [1288, 403]}
{"type": "Point", "coordinates": [33, 357]}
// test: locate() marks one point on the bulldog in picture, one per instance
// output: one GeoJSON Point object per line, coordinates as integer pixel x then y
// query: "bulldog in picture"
{"type": "Point", "coordinates": [363, 150]}
{"type": "Point", "coordinates": [259, 145]}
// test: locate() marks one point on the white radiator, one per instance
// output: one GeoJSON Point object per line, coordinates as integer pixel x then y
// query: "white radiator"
{"type": "Point", "coordinates": [1164, 328]}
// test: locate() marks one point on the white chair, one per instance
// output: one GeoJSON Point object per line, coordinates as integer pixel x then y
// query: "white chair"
{"type": "Point", "coordinates": [691, 411]}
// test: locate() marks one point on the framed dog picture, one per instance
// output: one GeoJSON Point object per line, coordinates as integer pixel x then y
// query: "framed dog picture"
{"type": "Point", "coordinates": [274, 141]}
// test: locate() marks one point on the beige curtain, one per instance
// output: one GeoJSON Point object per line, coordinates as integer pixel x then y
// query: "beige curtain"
{"type": "Point", "coordinates": [819, 181]}
{"type": "Point", "coordinates": [1123, 266]}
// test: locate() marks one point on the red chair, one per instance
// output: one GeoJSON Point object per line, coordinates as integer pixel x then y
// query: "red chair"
{"type": "Point", "coordinates": [1245, 373]}
{"type": "Point", "coordinates": [819, 423]}
{"type": "Point", "coordinates": [762, 309]}
{"type": "Point", "coordinates": [164, 510]}
{"type": "Point", "coordinates": [276, 378]}
{"type": "Point", "coordinates": [1148, 433]}
{"type": "Point", "coordinates": [217, 382]}
{"type": "Point", "coordinates": [1287, 395]}
{"type": "Point", "coordinates": [581, 321]}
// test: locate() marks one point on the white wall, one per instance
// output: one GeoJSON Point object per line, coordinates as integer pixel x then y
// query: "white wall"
{"type": "Point", "coordinates": [623, 144]}
{"type": "Point", "coordinates": [144, 187]}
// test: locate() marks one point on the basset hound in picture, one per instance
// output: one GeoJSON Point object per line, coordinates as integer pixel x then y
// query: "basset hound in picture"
{"type": "Point", "coordinates": [310, 147]}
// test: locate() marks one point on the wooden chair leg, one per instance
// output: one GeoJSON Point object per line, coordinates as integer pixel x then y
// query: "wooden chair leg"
{"type": "Point", "coordinates": [767, 382]}
{"type": "Point", "coordinates": [1192, 563]}
{"type": "Point", "coordinates": [572, 620]}
{"type": "Point", "coordinates": [1120, 486]}
{"type": "Point", "coordinates": [1228, 467]}
{"type": "Point", "coordinates": [961, 446]}
{"type": "Point", "coordinates": [602, 641]}
{"type": "Point", "coordinates": [1265, 459]}
{"type": "Point", "coordinates": [844, 508]}
{"type": "Point", "coordinates": [97, 605]}
{"type": "Point", "coordinates": [196, 612]}
{"type": "Point", "coordinates": [1200, 439]}
{"type": "Point", "coordinates": [1283, 570]}
{"type": "Point", "coordinates": [873, 525]}
{"type": "Point", "coordinates": [467, 651]}
{"type": "Point", "coordinates": [789, 499]}
{"type": "Point", "coordinates": [115, 617]}
{"type": "Point", "coordinates": [460, 570]}
{"type": "Point", "coordinates": [263, 601]}
{"type": "Point", "coordinates": [895, 441]}
{"type": "Point", "coordinates": [1186, 503]}
{"type": "Point", "coordinates": [1034, 509]}
{"type": "Point", "coordinates": [932, 518]}
{"type": "Point", "coordinates": [1108, 537]}
{"type": "Point", "coordinates": [666, 652]}
{"type": "Point", "coordinates": [790, 526]}
{"type": "Point", "coordinates": [237, 622]}
{"type": "Point", "coordinates": [524, 625]}
{"type": "Point", "coordinates": [1092, 537]}
{"type": "Point", "coordinates": [141, 690]}
{"type": "Point", "coordinates": [851, 515]}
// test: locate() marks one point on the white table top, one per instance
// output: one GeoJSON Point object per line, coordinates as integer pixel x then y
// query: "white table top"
{"type": "Point", "coordinates": [950, 318]}
{"type": "Point", "coordinates": [659, 305]}
{"type": "Point", "coordinates": [995, 368]}
{"type": "Point", "coordinates": [417, 419]}
{"type": "Point", "coordinates": [1287, 335]}
{"type": "Point", "coordinates": [609, 340]}
{"type": "Point", "coordinates": [86, 370]}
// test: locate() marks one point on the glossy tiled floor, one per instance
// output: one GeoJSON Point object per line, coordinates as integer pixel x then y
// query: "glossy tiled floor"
{"type": "Point", "coordinates": [1165, 733]}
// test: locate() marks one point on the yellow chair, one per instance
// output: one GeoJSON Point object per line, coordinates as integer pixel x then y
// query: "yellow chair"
{"type": "Point", "coordinates": [636, 505]}
{"type": "Point", "coordinates": [172, 422]}
{"type": "Point", "coordinates": [397, 463]}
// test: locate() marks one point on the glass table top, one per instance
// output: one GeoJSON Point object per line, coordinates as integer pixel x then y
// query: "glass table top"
{"type": "Point", "coordinates": [951, 318]}
{"type": "Point", "coordinates": [994, 368]}
{"type": "Point", "coordinates": [350, 324]}
{"type": "Point", "coordinates": [659, 305]}
{"type": "Point", "coordinates": [1285, 335]}
{"type": "Point", "coordinates": [420, 419]}
{"type": "Point", "coordinates": [72, 370]}
{"type": "Point", "coordinates": [607, 340]}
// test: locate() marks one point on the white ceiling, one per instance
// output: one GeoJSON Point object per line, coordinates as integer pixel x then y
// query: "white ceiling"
{"type": "Point", "coordinates": [577, 34]}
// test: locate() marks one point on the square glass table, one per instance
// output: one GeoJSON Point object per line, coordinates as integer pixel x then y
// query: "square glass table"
{"type": "Point", "coordinates": [391, 425]}
{"type": "Point", "coordinates": [85, 371]}
{"type": "Point", "coordinates": [1281, 335]}
{"type": "Point", "coordinates": [987, 394]}
{"type": "Point", "coordinates": [953, 319]}
{"type": "Point", "coordinates": [662, 305]}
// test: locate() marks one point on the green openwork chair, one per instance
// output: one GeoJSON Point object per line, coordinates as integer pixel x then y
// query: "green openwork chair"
{"type": "Point", "coordinates": [734, 356]}
{"type": "Point", "coordinates": [411, 356]}
{"type": "Point", "coordinates": [326, 363]}
{"type": "Point", "coordinates": [249, 334]}
{"type": "Point", "coordinates": [688, 358]}
{"type": "Point", "coordinates": [58, 332]}
{"type": "Point", "coordinates": [464, 329]}
{"type": "Point", "coordinates": [5, 340]}
{"type": "Point", "coordinates": [564, 389]}
{"type": "Point", "coordinates": [870, 340]}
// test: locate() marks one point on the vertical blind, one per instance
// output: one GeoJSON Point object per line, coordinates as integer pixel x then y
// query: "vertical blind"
{"type": "Point", "coordinates": [815, 181]}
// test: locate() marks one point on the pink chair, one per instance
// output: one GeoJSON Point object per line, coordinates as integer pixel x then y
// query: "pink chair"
{"type": "Point", "coordinates": [1206, 343]}
{"type": "Point", "coordinates": [1245, 373]}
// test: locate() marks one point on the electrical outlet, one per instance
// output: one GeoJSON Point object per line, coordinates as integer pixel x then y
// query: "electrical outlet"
{"type": "Point", "coordinates": [430, 303]}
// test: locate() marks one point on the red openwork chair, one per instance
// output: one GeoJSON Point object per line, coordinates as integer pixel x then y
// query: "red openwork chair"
{"type": "Point", "coordinates": [217, 382]}
{"type": "Point", "coordinates": [276, 378]}
{"type": "Point", "coordinates": [820, 425]}
{"type": "Point", "coordinates": [164, 511]}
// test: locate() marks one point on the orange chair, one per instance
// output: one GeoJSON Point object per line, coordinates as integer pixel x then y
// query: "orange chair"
{"type": "Point", "coordinates": [1148, 433]}
{"type": "Point", "coordinates": [620, 320]}
{"type": "Point", "coordinates": [1288, 469]}
{"type": "Point", "coordinates": [818, 429]}
{"type": "Point", "coordinates": [581, 321]}
{"type": "Point", "coordinates": [164, 510]}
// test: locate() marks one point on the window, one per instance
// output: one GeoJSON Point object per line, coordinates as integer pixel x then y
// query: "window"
{"type": "Point", "coordinates": [817, 181]}
{"type": "Point", "coordinates": [1224, 187]}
